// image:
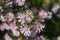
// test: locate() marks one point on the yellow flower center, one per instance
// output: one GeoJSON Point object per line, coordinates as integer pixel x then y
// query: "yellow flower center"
{"type": "Point", "coordinates": [13, 26]}
{"type": "Point", "coordinates": [26, 29]}
{"type": "Point", "coordinates": [3, 18]}
{"type": "Point", "coordinates": [8, 17]}
{"type": "Point", "coordinates": [27, 15]}
{"type": "Point", "coordinates": [16, 32]}
{"type": "Point", "coordinates": [38, 25]}
{"type": "Point", "coordinates": [19, 0]}
{"type": "Point", "coordinates": [43, 14]}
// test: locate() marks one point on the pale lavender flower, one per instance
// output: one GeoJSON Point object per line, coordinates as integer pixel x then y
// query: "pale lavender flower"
{"type": "Point", "coordinates": [29, 15]}
{"type": "Point", "coordinates": [38, 27]}
{"type": "Point", "coordinates": [7, 37]}
{"type": "Point", "coordinates": [49, 16]}
{"type": "Point", "coordinates": [45, 15]}
{"type": "Point", "coordinates": [2, 28]}
{"type": "Point", "coordinates": [13, 26]}
{"type": "Point", "coordinates": [25, 31]}
{"type": "Point", "coordinates": [10, 16]}
{"type": "Point", "coordinates": [21, 18]}
{"type": "Point", "coordinates": [8, 3]}
{"type": "Point", "coordinates": [20, 2]}
{"type": "Point", "coordinates": [6, 26]}
{"type": "Point", "coordinates": [3, 18]}
{"type": "Point", "coordinates": [42, 14]}
{"type": "Point", "coordinates": [16, 33]}
{"type": "Point", "coordinates": [55, 8]}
